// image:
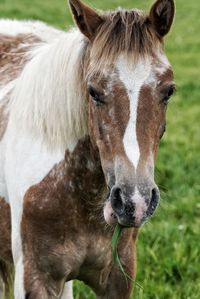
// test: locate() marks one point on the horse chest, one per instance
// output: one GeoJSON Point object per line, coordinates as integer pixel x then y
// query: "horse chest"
{"type": "Point", "coordinates": [67, 245]}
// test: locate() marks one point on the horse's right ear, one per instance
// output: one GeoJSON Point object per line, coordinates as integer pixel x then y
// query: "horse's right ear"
{"type": "Point", "coordinates": [86, 18]}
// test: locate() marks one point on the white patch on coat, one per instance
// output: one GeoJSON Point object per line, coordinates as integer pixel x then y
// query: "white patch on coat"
{"type": "Point", "coordinates": [133, 76]}
{"type": "Point", "coordinates": [3, 187]}
{"type": "Point", "coordinates": [4, 90]}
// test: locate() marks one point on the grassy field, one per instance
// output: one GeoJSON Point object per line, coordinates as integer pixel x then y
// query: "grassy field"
{"type": "Point", "coordinates": [169, 246]}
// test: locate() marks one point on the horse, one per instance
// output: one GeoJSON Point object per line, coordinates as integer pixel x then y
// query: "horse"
{"type": "Point", "coordinates": [81, 117]}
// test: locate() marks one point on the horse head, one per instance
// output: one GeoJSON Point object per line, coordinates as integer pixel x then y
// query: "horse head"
{"type": "Point", "coordinates": [129, 84]}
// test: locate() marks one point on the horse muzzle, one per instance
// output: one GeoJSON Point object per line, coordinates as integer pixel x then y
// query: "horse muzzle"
{"type": "Point", "coordinates": [131, 211]}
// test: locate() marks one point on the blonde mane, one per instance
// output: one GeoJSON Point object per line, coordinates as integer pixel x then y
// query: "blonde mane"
{"type": "Point", "coordinates": [48, 100]}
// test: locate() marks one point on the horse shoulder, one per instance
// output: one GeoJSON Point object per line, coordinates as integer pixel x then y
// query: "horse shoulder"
{"type": "Point", "coordinates": [27, 161]}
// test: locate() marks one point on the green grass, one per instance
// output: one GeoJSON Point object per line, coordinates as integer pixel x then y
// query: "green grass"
{"type": "Point", "coordinates": [169, 246]}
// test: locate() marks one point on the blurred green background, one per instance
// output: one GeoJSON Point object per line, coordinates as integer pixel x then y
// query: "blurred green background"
{"type": "Point", "coordinates": [169, 246]}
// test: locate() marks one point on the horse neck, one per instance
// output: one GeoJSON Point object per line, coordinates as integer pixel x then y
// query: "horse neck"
{"type": "Point", "coordinates": [86, 183]}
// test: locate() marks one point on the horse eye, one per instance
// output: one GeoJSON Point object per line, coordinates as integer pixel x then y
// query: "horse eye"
{"type": "Point", "coordinates": [96, 96]}
{"type": "Point", "coordinates": [168, 93]}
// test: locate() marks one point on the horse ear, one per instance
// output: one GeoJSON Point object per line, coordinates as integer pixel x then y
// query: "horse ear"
{"type": "Point", "coordinates": [86, 18]}
{"type": "Point", "coordinates": [162, 15]}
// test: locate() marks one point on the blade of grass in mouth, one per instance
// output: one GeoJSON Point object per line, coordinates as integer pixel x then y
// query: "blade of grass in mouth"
{"type": "Point", "coordinates": [116, 260]}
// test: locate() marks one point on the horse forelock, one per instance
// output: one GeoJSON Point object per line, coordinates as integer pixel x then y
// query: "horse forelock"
{"type": "Point", "coordinates": [127, 32]}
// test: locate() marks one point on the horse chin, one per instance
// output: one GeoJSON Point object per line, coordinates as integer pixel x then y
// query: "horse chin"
{"type": "Point", "coordinates": [130, 224]}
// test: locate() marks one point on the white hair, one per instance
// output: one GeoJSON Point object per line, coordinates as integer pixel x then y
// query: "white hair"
{"type": "Point", "coordinates": [37, 28]}
{"type": "Point", "coordinates": [49, 99]}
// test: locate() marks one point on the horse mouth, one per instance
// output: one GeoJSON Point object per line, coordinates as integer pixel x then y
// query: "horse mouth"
{"type": "Point", "coordinates": [136, 219]}
{"type": "Point", "coordinates": [130, 211]}
{"type": "Point", "coordinates": [112, 218]}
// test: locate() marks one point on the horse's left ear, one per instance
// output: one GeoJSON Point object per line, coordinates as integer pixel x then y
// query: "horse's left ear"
{"type": "Point", "coordinates": [162, 15]}
{"type": "Point", "coordinates": [86, 18]}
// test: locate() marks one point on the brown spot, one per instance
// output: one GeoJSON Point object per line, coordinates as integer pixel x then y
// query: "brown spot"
{"type": "Point", "coordinates": [108, 122]}
{"type": "Point", "coordinates": [146, 121]}
{"type": "Point", "coordinates": [13, 54]}
{"type": "Point", "coordinates": [151, 117]}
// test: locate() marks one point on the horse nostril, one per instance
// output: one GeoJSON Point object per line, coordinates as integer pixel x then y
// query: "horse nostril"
{"type": "Point", "coordinates": [116, 200]}
{"type": "Point", "coordinates": [153, 195]}
{"type": "Point", "coordinates": [154, 201]}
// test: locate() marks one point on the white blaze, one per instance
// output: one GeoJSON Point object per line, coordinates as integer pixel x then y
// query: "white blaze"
{"type": "Point", "coordinates": [133, 76]}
